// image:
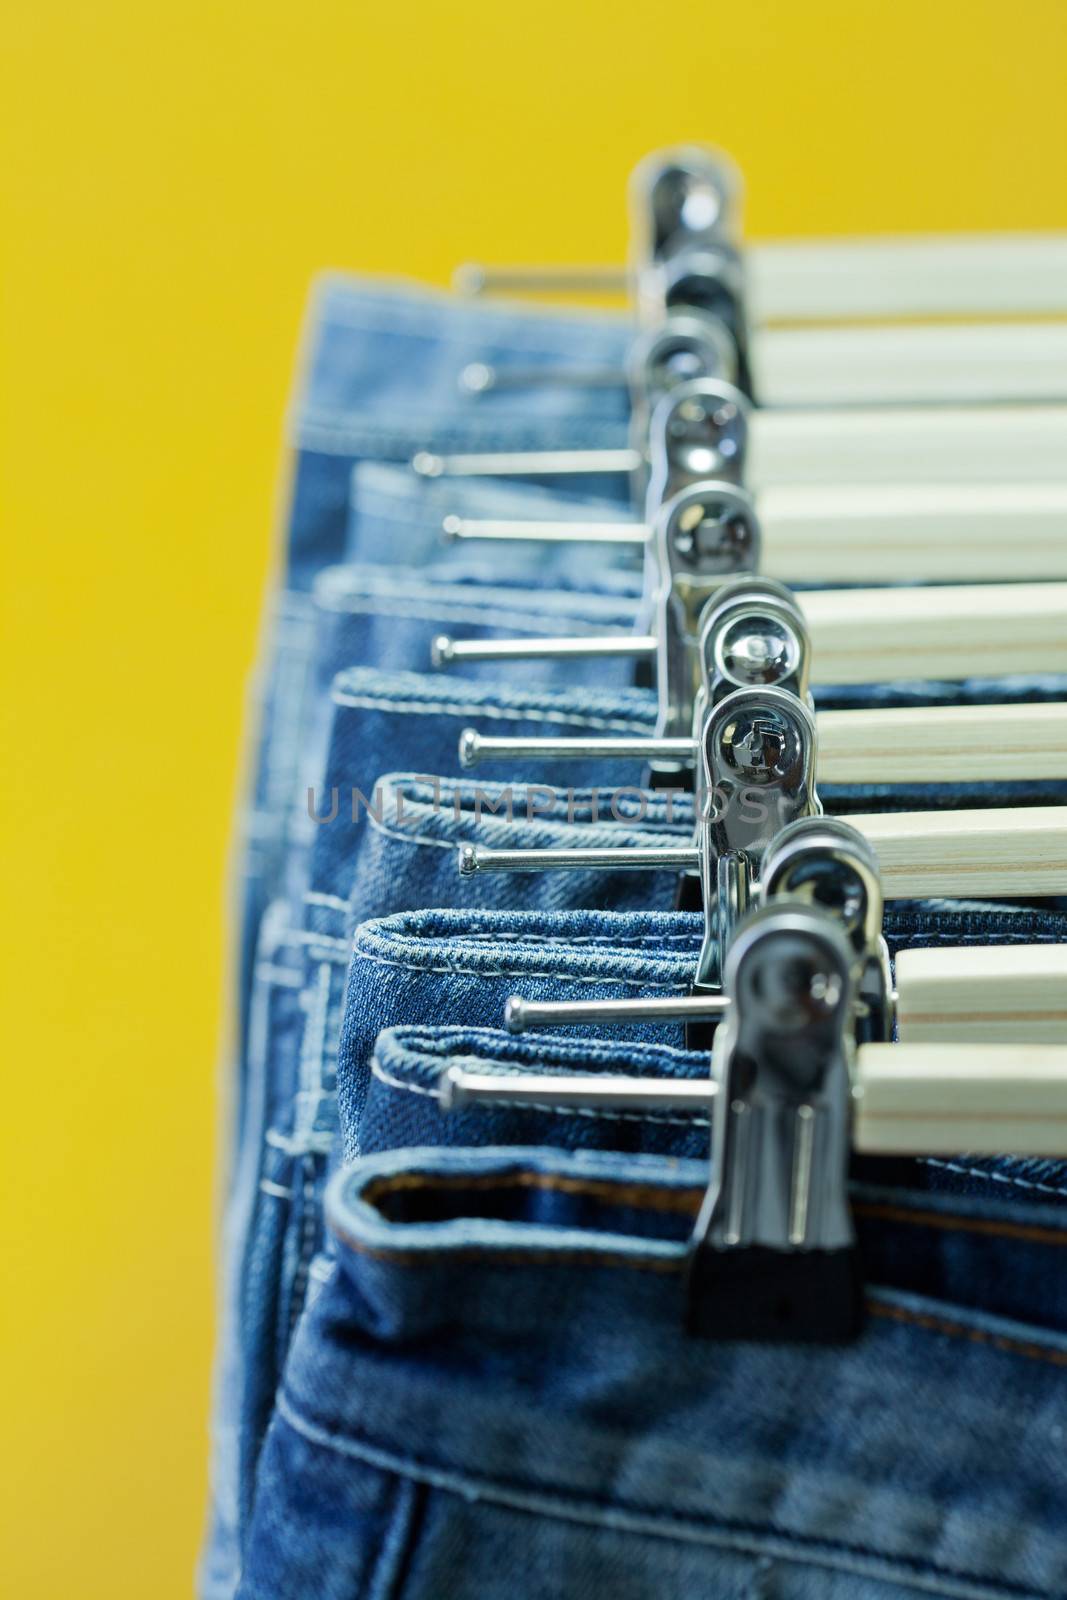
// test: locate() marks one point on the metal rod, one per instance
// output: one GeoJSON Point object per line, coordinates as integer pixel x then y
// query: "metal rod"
{"type": "Point", "coordinates": [475, 747]}
{"type": "Point", "coordinates": [527, 463]}
{"type": "Point", "coordinates": [645, 858]}
{"type": "Point", "coordinates": [591, 1090]}
{"type": "Point", "coordinates": [472, 278]}
{"type": "Point", "coordinates": [478, 377]}
{"type": "Point", "coordinates": [454, 528]}
{"type": "Point", "coordinates": [445, 649]}
{"type": "Point", "coordinates": [521, 1014]}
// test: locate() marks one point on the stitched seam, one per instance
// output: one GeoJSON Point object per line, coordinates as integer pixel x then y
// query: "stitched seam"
{"type": "Point", "coordinates": [316, 1143]}
{"type": "Point", "coordinates": [1026, 1233]}
{"type": "Point", "coordinates": [677, 984]}
{"type": "Point", "coordinates": [453, 844]}
{"type": "Point", "coordinates": [306, 1247]}
{"type": "Point", "coordinates": [275, 1190]}
{"type": "Point", "coordinates": [313, 1047]}
{"type": "Point", "coordinates": [478, 616]}
{"type": "Point", "coordinates": [993, 1177]}
{"type": "Point", "coordinates": [499, 329]}
{"type": "Point", "coordinates": [995, 1341]}
{"type": "Point", "coordinates": [604, 941]}
{"type": "Point", "coordinates": [500, 713]}
{"type": "Point", "coordinates": [662, 1523]}
{"type": "Point", "coordinates": [682, 1202]}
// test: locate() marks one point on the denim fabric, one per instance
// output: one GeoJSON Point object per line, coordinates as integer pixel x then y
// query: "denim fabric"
{"type": "Point", "coordinates": [409, 849]}
{"type": "Point", "coordinates": [493, 1394]}
{"type": "Point", "coordinates": [275, 1228]}
{"type": "Point", "coordinates": [407, 1064]}
{"type": "Point", "coordinates": [387, 617]}
{"type": "Point", "coordinates": [412, 722]}
{"type": "Point", "coordinates": [460, 967]}
{"type": "Point", "coordinates": [377, 380]}
{"type": "Point", "coordinates": [409, 721]}
{"type": "Point", "coordinates": [358, 615]}
{"type": "Point", "coordinates": [397, 869]}
{"type": "Point", "coordinates": [380, 380]}
{"type": "Point", "coordinates": [396, 515]}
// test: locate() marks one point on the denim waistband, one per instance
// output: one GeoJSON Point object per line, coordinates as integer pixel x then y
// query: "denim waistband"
{"type": "Point", "coordinates": [396, 515]}
{"type": "Point", "coordinates": [382, 362]}
{"type": "Point", "coordinates": [408, 849]}
{"type": "Point", "coordinates": [460, 967]}
{"type": "Point", "coordinates": [568, 1392]}
{"type": "Point", "coordinates": [378, 379]}
{"type": "Point", "coordinates": [403, 1108]}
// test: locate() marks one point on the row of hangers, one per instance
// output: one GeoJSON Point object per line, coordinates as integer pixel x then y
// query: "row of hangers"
{"type": "Point", "coordinates": [740, 476]}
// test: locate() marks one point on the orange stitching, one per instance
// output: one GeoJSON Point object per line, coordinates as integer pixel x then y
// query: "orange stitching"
{"type": "Point", "coordinates": [517, 1258]}
{"type": "Point", "coordinates": [997, 1341]}
{"type": "Point", "coordinates": [680, 1201]}
{"type": "Point", "coordinates": [1027, 1233]}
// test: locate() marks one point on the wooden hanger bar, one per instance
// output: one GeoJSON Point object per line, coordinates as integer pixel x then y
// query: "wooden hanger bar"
{"type": "Point", "coordinates": [884, 533]}
{"type": "Point", "coordinates": [841, 280]}
{"type": "Point", "coordinates": [918, 1099]}
{"type": "Point", "coordinates": [888, 444]}
{"type": "Point", "coordinates": [936, 275]}
{"type": "Point", "coordinates": [942, 1099]}
{"type": "Point", "coordinates": [952, 632]}
{"type": "Point", "coordinates": [983, 994]}
{"type": "Point", "coordinates": [949, 632]}
{"type": "Point", "coordinates": [913, 744]}
{"type": "Point", "coordinates": [1012, 994]}
{"type": "Point", "coordinates": [931, 533]}
{"type": "Point", "coordinates": [1000, 853]}
{"type": "Point", "coordinates": [946, 364]}
{"type": "Point", "coordinates": [941, 444]}
{"type": "Point", "coordinates": [941, 744]}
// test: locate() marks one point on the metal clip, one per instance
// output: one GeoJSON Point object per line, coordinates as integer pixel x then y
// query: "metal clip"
{"type": "Point", "coordinates": [758, 764]}
{"type": "Point", "coordinates": [772, 1253]}
{"type": "Point", "coordinates": [688, 345]}
{"type": "Point", "coordinates": [678, 197]}
{"type": "Point", "coordinates": [773, 1249]}
{"type": "Point", "coordinates": [704, 428]}
{"type": "Point", "coordinates": [816, 861]}
{"type": "Point", "coordinates": [752, 634]}
{"type": "Point", "coordinates": [826, 863]}
{"type": "Point", "coordinates": [704, 534]}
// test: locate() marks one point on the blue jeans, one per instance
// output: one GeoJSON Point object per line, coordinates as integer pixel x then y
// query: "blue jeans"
{"type": "Point", "coordinates": [396, 515]}
{"type": "Point", "coordinates": [377, 381]}
{"type": "Point", "coordinates": [493, 1394]}
{"type": "Point", "coordinates": [287, 1110]}
{"type": "Point", "coordinates": [458, 968]}
{"type": "Point", "coordinates": [280, 1230]}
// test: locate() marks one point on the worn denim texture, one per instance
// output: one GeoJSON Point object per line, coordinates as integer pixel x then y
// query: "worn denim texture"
{"type": "Point", "coordinates": [493, 1394]}
{"type": "Point", "coordinates": [346, 697]}
{"type": "Point", "coordinates": [460, 967]}
{"type": "Point", "coordinates": [378, 381]}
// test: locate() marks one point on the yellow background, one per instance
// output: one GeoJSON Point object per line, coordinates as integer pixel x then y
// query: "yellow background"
{"type": "Point", "coordinates": [172, 176]}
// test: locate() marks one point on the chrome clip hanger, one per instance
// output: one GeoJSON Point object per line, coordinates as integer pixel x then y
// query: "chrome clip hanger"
{"type": "Point", "coordinates": [704, 535]}
{"type": "Point", "coordinates": [819, 280]}
{"type": "Point", "coordinates": [772, 1254]}
{"type": "Point", "coordinates": [751, 633]}
{"type": "Point", "coordinates": [678, 197]}
{"type": "Point", "coordinates": [688, 344]}
{"type": "Point", "coordinates": [772, 1250]}
{"type": "Point", "coordinates": [816, 861]}
{"type": "Point", "coordinates": [698, 429]}
{"type": "Point", "coordinates": [758, 766]}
